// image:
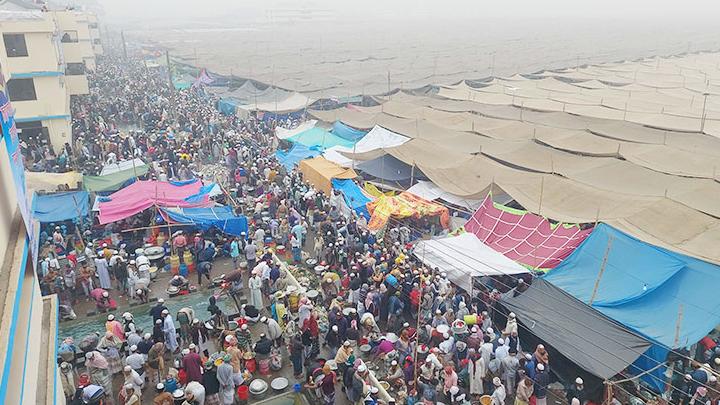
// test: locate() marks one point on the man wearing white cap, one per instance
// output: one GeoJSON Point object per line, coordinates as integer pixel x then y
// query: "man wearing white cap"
{"type": "Point", "coordinates": [499, 394]}
{"type": "Point", "coordinates": [156, 311]}
{"type": "Point", "coordinates": [541, 382]}
{"type": "Point", "coordinates": [130, 394]}
{"type": "Point", "coordinates": [169, 331]}
{"type": "Point", "coordinates": [274, 331]}
{"type": "Point", "coordinates": [133, 378]}
{"type": "Point", "coordinates": [502, 349]}
{"type": "Point", "coordinates": [136, 361]}
{"type": "Point", "coordinates": [101, 267]}
{"type": "Point", "coordinates": [511, 325]}
{"type": "Point", "coordinates": [577, 391]}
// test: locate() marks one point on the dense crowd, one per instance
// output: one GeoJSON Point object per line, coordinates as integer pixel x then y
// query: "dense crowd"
{"type": "Point", "coordinates": [379, 314]}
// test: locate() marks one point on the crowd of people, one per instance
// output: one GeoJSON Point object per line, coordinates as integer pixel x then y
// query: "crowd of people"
{"type": "Point", "coordinates": [381, 329]}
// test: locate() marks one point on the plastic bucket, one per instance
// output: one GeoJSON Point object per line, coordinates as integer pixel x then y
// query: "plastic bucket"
{"type": "Point", "coordinates": [243, 392]}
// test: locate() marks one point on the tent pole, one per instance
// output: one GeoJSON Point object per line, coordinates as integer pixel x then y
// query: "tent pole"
{"type": "Point", "coordinates": [678, 322]}
{"type": "Point", "coordinates": [143, 228]}
{"type": "Point", "coordinates": [602, 270]}
{"type": "Point", "coordinates": [417, 325]}
{"type": "Point", "coordinates": [542, 187]}
{"type": "Point", "coordinates": [77, 228]}
{"type": "Point", "coordinates": [132, 158]}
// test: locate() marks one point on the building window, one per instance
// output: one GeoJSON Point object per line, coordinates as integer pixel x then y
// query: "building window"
{"type": "Point", "coordinates": [21, 89]}
{"type": "Point", "coordinates": [69, 37]}
{"type": "Point", "coordinates": [93, 25]}
{"type": "Point", "coordinates": [33, 133]}
{"type": "Point", "coordinates": [75, 69]}
{"type": "Point", "coordinates": [96, 41]}
{"type": "Point", "coordinates": [15, 45]}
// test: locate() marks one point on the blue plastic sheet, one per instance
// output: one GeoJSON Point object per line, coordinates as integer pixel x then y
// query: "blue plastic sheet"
{"type": "Point", "coordinates": [346, 132]}
{"type": "Point", "coordinates": [354, 197]}
{"type": "Point", "coordinates": [319, 137]}
{"type": "Point", "coordinates": [221, 217]}
{"type": "Point", "coordinates": [226, 107]}
{"type": "Point", "coordinates": [644, 287]}
{"type": "Point", "coordinates": [297, 153]}
{"type": "Point", "coordinates": [60, 206]}
{"type": "Point", "coordinates": [204, 190]}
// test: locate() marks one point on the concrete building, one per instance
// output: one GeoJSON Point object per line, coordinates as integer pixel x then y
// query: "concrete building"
{"type": "Point", "coordinates": [45, 56]}
{"type": "Point", "coordinates": [95, 34]}
{"type": "Point", "coordinates": [28, 321]}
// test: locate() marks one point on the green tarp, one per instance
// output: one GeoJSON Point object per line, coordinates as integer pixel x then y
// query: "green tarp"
{"type": "Point", "coordinates": [114, 181]}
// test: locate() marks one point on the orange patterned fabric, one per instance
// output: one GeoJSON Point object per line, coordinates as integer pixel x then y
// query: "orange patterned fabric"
{"type": "Point", "coordinates": [404, 205]}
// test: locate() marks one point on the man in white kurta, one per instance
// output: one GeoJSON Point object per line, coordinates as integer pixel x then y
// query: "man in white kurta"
{"type": "Point", "coordinates": [255, 285]}
{"type": "Point", "coordinates": [101, 267]}
{"type": "Point", "coordinates": [170, 332]}
{"type": "Point", "coordinates": [477, 371]}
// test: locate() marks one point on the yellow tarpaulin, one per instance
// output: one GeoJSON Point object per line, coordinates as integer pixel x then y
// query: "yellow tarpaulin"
{"type": "Point", "coordinates": [375, 192]}
{"type": "Point", "coordinates": [404, 205]}
{"type": "Point", "coordinates": [319, 172]}
{"type": "Point", "coordinates": [51, 181]}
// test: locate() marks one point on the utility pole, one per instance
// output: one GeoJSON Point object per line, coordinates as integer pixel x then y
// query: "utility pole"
{"type": "Point", "coordinates": [122, 37]}
{"type": "Point", "coordinates": [167, 61]}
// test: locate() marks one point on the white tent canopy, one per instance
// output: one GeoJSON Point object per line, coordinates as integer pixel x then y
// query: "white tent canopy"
{"type": "Point", "coordinates": [285, 133]}
{"type": "Point", "coordinates": [333, 154]}
{"type": "Point", "coordinates": [429, 191]}
{"type": "Point", "coordinates": [463, 257]}
{"type": "Point", "coordinates": [377, 138]}
{"type": "Point", "coordinates": [121, 165]}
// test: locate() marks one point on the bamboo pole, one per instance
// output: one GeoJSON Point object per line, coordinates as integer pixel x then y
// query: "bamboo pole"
{"type": "Point", "coordinates": [143, 228]}
{"type": "Point", "coordinates": [602, 270]}
{"type": "Point", "coordinates": [77, 228]}
{"type": "Point", "coordinates": [417, 325]}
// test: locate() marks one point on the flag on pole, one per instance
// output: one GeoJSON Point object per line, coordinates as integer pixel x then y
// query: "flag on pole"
{"type": "Point", "coordinates": [203, 78]}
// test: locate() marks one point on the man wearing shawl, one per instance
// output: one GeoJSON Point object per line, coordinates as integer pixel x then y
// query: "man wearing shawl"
{"type": "Point", "coordinates": [115, 327]}
{"type": "Point", "coordinates": [227, 385]}
{"type": "Point", "coordinates": [109, 346]}
{"type": "Point", "coordinates": [156, 363]}
{"type": "Point", "coordinates": [97, 367]}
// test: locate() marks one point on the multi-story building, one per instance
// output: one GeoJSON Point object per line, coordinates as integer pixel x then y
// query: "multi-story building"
{"type": "Point", "coordinates": [95, 34]}
{"type": "Point", "coordinates": [28, 321]}
{"type": "Point", "coordinates": [45, 56]}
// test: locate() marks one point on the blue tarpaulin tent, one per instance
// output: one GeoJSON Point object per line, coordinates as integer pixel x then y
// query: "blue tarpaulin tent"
{"type": "Point", "coordinates": [60, 206]}
{"type": "Point", "coordinates": [227, 106]}
{"type": "Point", "coordinates": [221, 217]}
{"type": "Point", "coordinates": [297, 153]}
{"type": "Point", "coordinates": [346, 132]}
{"type": "Point", "coordinates": [354, 196]}
{"type": "Point", "coordinates": [666, 296]}
{"type": "Point", "coordinates": [319, 137]}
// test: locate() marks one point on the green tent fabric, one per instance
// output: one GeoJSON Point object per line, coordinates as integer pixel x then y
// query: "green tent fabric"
{"type": "Point", "coordinates": [114, 181]}
{"type": "Point", "coordinates": [320, 137]}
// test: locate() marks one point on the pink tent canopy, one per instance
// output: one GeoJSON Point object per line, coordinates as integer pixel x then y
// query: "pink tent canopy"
{"type": "Point", "coordinates": [524, 237]}
{"type": "Point", "coordinates": [144, 194]}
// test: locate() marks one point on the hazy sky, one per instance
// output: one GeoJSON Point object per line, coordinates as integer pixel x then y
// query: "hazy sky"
{"type": "Point", "coordinates": [119, 11]}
